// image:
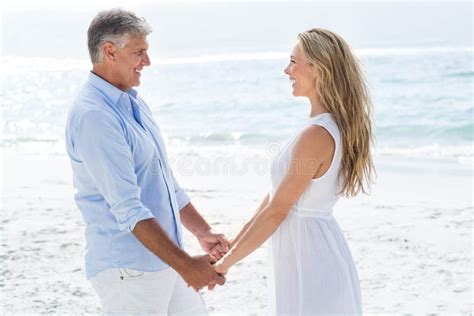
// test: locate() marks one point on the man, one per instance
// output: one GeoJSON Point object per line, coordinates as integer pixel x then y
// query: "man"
{"type": "Point", "coordinates": [131, 203]}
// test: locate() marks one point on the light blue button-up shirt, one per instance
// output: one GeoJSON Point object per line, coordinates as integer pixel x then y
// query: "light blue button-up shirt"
{"type": "Point", "coordinates": [121, 175]}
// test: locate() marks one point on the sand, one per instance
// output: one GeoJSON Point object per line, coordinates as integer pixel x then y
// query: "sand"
{"type": "Point", "coordinates": [411, 239]}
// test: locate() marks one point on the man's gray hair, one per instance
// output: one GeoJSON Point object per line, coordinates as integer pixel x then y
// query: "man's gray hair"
{"type": "Point", "coordinates": [114, 26]}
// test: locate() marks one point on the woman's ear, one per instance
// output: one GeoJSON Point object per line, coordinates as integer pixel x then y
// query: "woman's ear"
{"type": "Point", "coordinates": [314, 70]}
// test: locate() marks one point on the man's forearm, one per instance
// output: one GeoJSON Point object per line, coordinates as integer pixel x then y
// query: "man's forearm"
{"type": "Point", "coordinates": [155, 239]}
{"type": "Point", "coordinates": [193, 221]}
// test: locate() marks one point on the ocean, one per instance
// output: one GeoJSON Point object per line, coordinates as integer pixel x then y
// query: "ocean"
{"type": "Point", "coordinates": [240, 104]}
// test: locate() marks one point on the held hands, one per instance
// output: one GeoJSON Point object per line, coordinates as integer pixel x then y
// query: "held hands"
{"type": "Point", "coordinates": [200, 273]}
{"type": "Point", "coordinates": [220, 266]}
{"type": "Point", "coordinates": [220, 269]}
{"type": "Point", "coordinates": [216, 245]}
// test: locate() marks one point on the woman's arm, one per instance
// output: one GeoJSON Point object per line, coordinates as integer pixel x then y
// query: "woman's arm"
{"type": "Point", "coordinates": [313, 150]}
{"type": "Point", "coordinates": [247, 225]}
{"type": "Point", "coordinates": [218, 251]}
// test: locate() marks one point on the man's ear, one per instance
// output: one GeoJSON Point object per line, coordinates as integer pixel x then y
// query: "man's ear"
{"type": "Point", "coordinates": [109, 50]}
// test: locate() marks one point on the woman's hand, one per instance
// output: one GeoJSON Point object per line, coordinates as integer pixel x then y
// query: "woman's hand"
{"type": "Point", "coordinates": [220, 267]}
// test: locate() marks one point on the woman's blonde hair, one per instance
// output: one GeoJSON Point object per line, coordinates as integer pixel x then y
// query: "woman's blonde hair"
{"type": "Point", "coordinates": [341, 89]}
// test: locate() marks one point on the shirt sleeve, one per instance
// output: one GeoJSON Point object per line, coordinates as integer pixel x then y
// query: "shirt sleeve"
{"type": "Point", "coordinates": [101, 145]}
{"type": "Point", "coordinates": [181, 195]}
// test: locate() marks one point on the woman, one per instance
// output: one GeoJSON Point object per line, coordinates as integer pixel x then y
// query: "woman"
{"type": "Point", "coordinates": [312, 268]}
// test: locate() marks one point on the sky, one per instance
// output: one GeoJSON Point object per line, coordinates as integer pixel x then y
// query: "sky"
{"type": "Point", "coordinates": [22, 4]}
{"type": "Point", "coordinates": [52, 28]}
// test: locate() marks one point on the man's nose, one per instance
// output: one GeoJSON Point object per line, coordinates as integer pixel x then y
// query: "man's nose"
{"type": "Point", "coordinates": [146, 60]}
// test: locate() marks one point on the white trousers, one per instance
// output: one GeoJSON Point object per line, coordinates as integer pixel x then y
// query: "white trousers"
{"type": "Point", "coordinates": [133, 292]}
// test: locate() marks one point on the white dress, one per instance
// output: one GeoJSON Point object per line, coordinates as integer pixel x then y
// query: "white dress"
{"type": "Point", "coordinates": [312, 270]}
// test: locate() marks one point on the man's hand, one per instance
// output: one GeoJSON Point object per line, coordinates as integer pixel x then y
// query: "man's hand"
{"type": "Point", "coordinates": [196, 224]}
{"type": "Point", "coordinates": [221, 269]}
{"type": "Point", "coordinates": [216, 245]}
{"type": "Point", "coordinates": [200, 273]}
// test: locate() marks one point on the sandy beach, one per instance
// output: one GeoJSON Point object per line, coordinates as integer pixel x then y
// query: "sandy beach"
{"type": "Point", "coordinates": [411, 239]}
{"type": "Point", "coordinates": [217, 88]}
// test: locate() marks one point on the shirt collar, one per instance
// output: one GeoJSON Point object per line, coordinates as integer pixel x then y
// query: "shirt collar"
{"type": "Point", "coordinates": [111, 91]}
